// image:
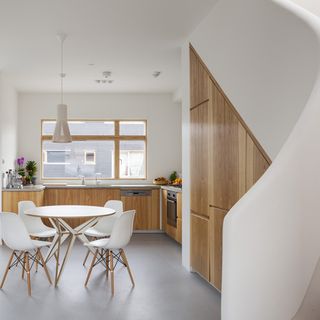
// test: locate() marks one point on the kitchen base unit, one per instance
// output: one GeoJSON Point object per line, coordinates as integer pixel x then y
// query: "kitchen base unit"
{"type": "Point", "coordinates": [145, 200]}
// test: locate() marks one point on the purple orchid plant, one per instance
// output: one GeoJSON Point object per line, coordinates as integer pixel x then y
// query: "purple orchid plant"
{"type": "Point", "coordinates": [21, 170]}
{"type": "Point", "coordinates": [20, 161]}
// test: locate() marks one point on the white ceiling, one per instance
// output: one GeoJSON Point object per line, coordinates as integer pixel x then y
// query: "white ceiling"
{"type": "Point", "coordinates": [132, 38]}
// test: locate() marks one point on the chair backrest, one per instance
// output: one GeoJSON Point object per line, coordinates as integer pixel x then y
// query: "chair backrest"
{"type": "Point", "coordinates": [122, 230]}
{"type": "Point", "coordinates": [116, 205]}
{"type": "Point", "coordinates": [106, 223]}
{"type": "Point", "coordinates": [33, 224]}
{"type": "Point", "coordinates": [14, 233]}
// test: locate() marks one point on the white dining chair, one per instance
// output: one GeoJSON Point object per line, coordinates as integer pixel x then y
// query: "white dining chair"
{"type": "Point", "coordinates": [36, 228]}
{"type": "Point", "coordinates": [24, 249]}
{"type": "Point", "coordinates": [108, 250]}
{"type": "Point", "coordinates": [104, 226]}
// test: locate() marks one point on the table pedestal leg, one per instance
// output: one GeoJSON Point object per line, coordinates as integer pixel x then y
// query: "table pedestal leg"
{"type": "Point", "coordinates": [63, 232]}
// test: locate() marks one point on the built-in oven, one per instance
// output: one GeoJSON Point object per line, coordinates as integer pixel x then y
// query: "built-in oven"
{"type": "Point", "coordinates": [172, 208]}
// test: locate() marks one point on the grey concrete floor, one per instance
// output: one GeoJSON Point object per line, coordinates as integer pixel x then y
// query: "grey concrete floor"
{"type": "Point", "coordinates": [164, 289]}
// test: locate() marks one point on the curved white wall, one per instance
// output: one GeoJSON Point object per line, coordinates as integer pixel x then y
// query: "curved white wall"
{"type": "Point", "coordinates": [311, 5]}
{"type": "Point", "coordinates": [271, 236]}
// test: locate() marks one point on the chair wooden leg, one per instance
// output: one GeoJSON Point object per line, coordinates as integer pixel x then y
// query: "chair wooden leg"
{"type": "Point", "coordinates": [111, 271]}
{"type": "Point", "coordinates": [37, 260]}
{"type": "Point", "coordinates": [44, 266]}
{"type": "Point", "coordinates": [28, 272]}
{"type": "Point", "coordinates": [107, 264]}
{"type": "Point", "coordinates": [91, 267]}
{"type": "Point", "coordinates": [24, 265]}
{"type": "Point", "coordinates": [7, 270]}
{"type": "Point", "coordinates": [86, 258]}
{"type": "Point", "coordinates": [125, 260]}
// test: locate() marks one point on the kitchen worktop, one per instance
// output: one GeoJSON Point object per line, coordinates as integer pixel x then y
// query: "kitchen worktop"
{"type": "Point", "coordinates": [172, 188]}
{"type": "Point", "coordinates": [80, 186]}
{"type": "Point", "coordinates": [36, 188]}
{"type": "Point", "coordinates": [95, 186]}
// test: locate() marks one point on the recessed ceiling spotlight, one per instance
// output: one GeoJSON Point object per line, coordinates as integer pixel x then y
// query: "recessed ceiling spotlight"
{"type": "Point", "coordinates": [106, 74]}
{"type": "Point", "coordinates": [91, 64]}
{"type": "Point", "coordinates": [156, 74]}
{"type": "Point", "coordinates": [103, 81]}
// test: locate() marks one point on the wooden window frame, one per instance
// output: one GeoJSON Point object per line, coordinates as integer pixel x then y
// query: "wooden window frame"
{"type": "Point", "coordinates": [116, 138]}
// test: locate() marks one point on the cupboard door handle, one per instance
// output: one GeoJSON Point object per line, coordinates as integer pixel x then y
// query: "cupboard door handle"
{"type": "Point", "coordinates": [211, 206]}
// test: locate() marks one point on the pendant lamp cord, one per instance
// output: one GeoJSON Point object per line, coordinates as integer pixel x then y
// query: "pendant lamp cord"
{"type": "Point", "coordinates": [62, 75]}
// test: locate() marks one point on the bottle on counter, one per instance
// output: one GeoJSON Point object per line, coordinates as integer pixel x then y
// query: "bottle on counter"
{"type": "Point", "coordinates": [9, 180]}
{"type": "Point", "coordinates": [4, 180]}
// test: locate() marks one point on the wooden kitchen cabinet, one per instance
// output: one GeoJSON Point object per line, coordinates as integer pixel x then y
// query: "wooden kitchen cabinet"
{"type": "Point", "coordinates": [164, 209]}
{"type": "Point", "coordinates": [199, 80]}
{"type": "Point", "coordinates": [200, 245]}
{"type": "Point", "coordinates": [80, 196]}
{"type": "Point", "coordinates": [10, 199]}
{"type": "Point", "coordinates": [256, 163]}
{"type": "Point", "coordinates": [147, 206]}
{"type": "Point", "coordinates": [227, 153]}
{"type": "Point", "coordinates": [226, 160]}
{"type": "Point", "coordinates": [199, 158]}
{"type": "Point", "coordinates": [215, 245]}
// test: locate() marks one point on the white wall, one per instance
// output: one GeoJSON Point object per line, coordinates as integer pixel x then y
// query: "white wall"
{"type": "Point", "coordinates": [162, 114]}
{"type": "Point", "coordinates": [8, 123]}
{"type": "Point", "coordinates": [311, 5]}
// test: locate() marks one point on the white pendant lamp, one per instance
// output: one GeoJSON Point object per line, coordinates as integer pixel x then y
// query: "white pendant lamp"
{"type": "Point", "coordinates": [61, 132]}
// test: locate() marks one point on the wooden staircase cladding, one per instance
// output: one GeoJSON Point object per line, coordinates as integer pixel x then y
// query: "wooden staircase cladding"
{"type": "Point", "coordinates": [226, 160]}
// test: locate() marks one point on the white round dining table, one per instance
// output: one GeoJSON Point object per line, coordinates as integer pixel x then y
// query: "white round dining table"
{"type": "Point", "coordinates": [57, 216]}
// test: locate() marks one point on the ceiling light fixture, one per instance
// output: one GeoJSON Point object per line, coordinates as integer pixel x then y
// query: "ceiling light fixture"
{"type": "Point", "coordinates": [62, 131]}
{"type": "Point", "coordinates": [106, 74]}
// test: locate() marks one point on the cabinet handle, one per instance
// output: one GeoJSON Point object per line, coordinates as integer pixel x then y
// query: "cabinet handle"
{"type": "Point", "coordinates": [211, 206]}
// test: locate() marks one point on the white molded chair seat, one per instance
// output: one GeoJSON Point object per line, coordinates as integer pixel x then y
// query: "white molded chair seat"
{"type": "Point", "coordinates": [104, 226]}
{"type": "Point", "coordinates": [16, 237]}
{"type": "Point", "coordinates": [105, 249]}
{"type": "Point", "coordinates": [36, 228]}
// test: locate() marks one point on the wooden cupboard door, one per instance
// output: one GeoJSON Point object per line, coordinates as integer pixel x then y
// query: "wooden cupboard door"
{"type": "Point", "coordinates": [199, 80]}
{"type": "Point", "coordinates": [142, 205]}
{"type": "Point", "coordinates": [147, 210]}
{"type": "Point", "coordinates": [256, 163]}
{"type": "Point", "coordinates": [155, 210]}
{"type": "Point", "coordinates": [200, 245]}
{"type": "Point", "coordinates": [199, 157]}
{"type": "Point", "coordinates": [164, 209]}
{"type": "Point", "coordinates": [227, 153]}
{"type": "Point", "coordinates": [80, 196]}
{"type": "Point", "coordinates": [215, 235]}
{"type": "Point", "coordinates": [10, 199]}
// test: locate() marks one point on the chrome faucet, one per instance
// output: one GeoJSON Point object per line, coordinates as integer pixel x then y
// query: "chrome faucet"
{"type": "Point", "coordinates": [83, 182]}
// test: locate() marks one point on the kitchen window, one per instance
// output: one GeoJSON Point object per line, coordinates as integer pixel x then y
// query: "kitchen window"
{"type": "Point", "coordinates": [109, 149]}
